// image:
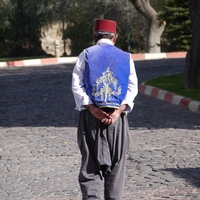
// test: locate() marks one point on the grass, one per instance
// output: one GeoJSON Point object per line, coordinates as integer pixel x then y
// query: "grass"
{"type": "Point", "coordinates": [174, 83]}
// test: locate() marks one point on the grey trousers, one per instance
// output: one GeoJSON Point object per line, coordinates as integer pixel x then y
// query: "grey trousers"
{"type": "Point", "coordinates": [103, 149]}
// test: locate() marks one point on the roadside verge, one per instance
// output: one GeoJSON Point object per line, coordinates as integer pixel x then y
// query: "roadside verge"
{"type": "Point", "coordinates": [38, 62]}
{"type": "Point", "coordinates": [72, 60]}
{"type": "Point", "coordinates": [170, 97]}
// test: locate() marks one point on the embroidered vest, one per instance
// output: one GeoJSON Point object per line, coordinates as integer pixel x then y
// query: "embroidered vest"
{"type": "Point", "coordinates": [107, 73]}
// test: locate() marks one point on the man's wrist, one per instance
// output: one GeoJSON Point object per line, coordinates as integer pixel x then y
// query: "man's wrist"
{"type": "Point", "coordinates": [90, 106]}
{"type": "Point", "coordinates": [122, 108]}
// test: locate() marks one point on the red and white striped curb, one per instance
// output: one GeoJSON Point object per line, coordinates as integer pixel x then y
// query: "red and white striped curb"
{"type": "Point", "coordinates": [151, 56]}
{"type": "Point", "coordinates": [48, 61]}
{"type": "Point", "coordinates": [170, 97]}
{"type": "Point", "coordinates": [35, 62]}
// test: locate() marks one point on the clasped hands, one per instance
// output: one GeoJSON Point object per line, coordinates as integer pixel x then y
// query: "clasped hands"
{"type": "Point", "coordinates": [106, 118]}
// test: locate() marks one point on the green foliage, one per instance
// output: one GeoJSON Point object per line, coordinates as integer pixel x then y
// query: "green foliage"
{"type": "Point", "coordinates": [177, 34]}
{"type": "Point", "coordinates": [81, 22]}
{"type": "Point", "coordinates": [22, 22]}
{"type": "Point", "coordinates": [21, 34]}
{"type": "Point", "coordinates": [79, 27]}
{"type": "Point", "coordinates": [5, 9]}
{"type": "Point", "coordinates": [157, 4]}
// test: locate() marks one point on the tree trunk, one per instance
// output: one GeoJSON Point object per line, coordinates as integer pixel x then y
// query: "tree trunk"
{"type": "Point", "coordinates": [193, 55]}
{"type": "Point", "coordinates": [155, 27]}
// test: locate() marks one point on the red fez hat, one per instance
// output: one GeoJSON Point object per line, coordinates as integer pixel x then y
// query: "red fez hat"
{"type": "Point", "coordinates": [103, 25]}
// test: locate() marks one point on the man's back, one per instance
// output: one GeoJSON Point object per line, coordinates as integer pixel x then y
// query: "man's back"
{"type": "Point", "coordinates": [107, 70]}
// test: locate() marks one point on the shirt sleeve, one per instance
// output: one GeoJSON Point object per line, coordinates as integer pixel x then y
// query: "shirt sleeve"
{"type": "Point", "coordinates": [132, 88]}
{"type": "Point", "coordinates": [80, 96]}
{"type": "Point", "coordinates": [82, 99]}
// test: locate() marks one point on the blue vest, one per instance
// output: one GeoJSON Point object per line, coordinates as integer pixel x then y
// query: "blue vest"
{"type": "Point", "coordinates": [107, 73]}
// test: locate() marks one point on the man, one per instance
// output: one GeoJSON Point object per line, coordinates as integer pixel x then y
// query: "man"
{"type": "Point", "coordinates": [104, 84]}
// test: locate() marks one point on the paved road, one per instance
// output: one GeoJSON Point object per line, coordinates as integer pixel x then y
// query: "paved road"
{"type": "Point", "coordinates": [39, 158]}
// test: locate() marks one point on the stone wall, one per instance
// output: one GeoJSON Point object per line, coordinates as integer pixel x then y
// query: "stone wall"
{"type": "Point", "coordinates": [52, 35]}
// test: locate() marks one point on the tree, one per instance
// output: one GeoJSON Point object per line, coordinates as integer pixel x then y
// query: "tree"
{"type": "Point", "coordinates": [24, 37]}
{"type": "Point", "coordinates": [22, 23]}
{"type": "Point", "coordinates": [81, 22]}
{"type": "Point", "coordinates": [177, 32]}
{"type": "Point", "coordinates": [5, 10]}
{"type": "Point", "coordinates": [192, 65]}
{"type": "Point", "coordinates": [80, 26]}
{"type": "Point", "coordinates": [155, 27]}
{"type": "Point", "coordinates": [84, 14]}
{"type": "Point", "coordinates": [21, 28]}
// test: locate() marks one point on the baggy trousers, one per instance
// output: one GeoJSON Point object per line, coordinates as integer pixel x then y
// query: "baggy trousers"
{"type": "Point", "coordinates": [103, 149]}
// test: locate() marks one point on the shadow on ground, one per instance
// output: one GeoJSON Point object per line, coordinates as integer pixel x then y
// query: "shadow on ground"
{"type": "Point", "coordinates": [191, 175]}
{"type": "Point", "coordinates": [41, 96]}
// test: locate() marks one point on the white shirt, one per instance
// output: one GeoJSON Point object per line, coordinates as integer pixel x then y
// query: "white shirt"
{"type": "Point", "coordinates": [80, 96]}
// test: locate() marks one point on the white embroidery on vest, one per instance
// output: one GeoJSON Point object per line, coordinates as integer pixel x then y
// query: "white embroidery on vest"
{"type": "Point", "coordinates": [103, 88]}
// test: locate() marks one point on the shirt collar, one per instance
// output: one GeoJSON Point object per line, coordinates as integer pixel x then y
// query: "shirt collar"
{"type": "Point", "coordinates": [105, 41]}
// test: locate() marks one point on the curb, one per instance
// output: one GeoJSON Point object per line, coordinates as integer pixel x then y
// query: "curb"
{"type": "Point", "coordinates": [72, 60]}
{"type": "Point", "coordinates": [158, 93]}
{"type": "Point", "coordinates": [151, 56]}
{"type": "Point", "coordinates": [37, 62]}
{"type": "Point", "coordinates": [170, 97]}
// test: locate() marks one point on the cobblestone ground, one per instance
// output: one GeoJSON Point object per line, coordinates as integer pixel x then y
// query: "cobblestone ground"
{"type": "Point", "coordinates": [39, 157]}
